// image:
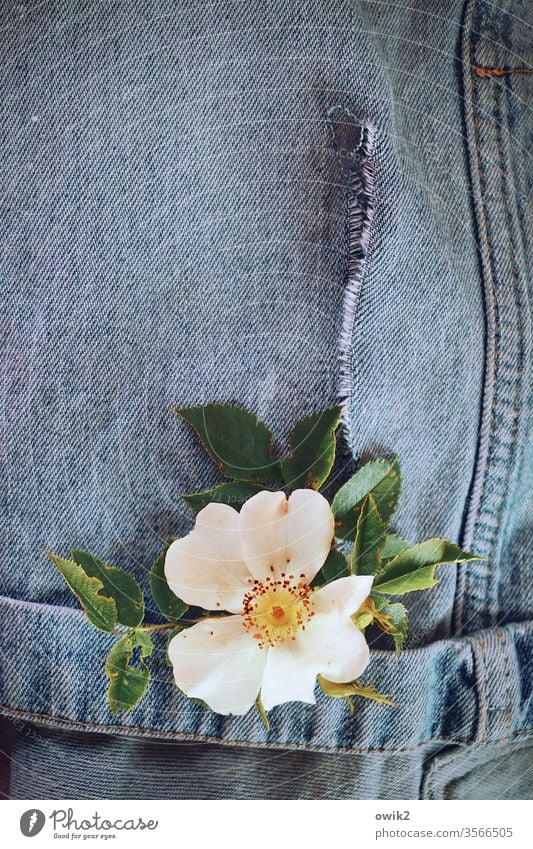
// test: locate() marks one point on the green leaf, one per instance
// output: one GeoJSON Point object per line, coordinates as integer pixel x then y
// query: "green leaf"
{"type": "Point", "coordinates": [117, 584]}
{"type": "Point", "coordinates": [238, 442]}
{"type": "Point", "coordinates": [414, 568]}
{"type": "Point", "coordinates": [143, 640]}
{"type": "Point", "coordinates": [362, 619]}
{"type": "Point", "coordinates": [354, 688]}
{"type": "Point", "coordinates": [359, 485]}
{"type": "Point", "coordinates": [399, 625]}
{"type": "Point", "coordinates": [379, 477]}
{"type": "Point", "coordinates": [312, 444]}
{"type": "Point", "coordinates": [386, 494]}
{"type": "Point", "coordinates": [128, 681]}
{"type": "Point", "coordinates": [391, 618]}
{"type": "Point", "coordinates": [98, 607]}
{"type": "Point", "coordinates": [394, 544]}
{"type": "Point", "coordinates": [168, 603]}
{"type": "Point", "coordinates": [261, 711]}
{"type": "Point", "coordinates": [369, 538]}
{"type": "Point", "coordinates": [232, 493]}
{"type": "Point", "coordinates": [335, 566]}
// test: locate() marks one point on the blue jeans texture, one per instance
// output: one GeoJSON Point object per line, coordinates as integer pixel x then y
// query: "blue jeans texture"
{"type": "Point", "coordinates": [272, 204]}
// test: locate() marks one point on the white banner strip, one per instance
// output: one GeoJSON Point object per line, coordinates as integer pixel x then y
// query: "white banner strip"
{"type": "Point", "coordinates": [266, 824]}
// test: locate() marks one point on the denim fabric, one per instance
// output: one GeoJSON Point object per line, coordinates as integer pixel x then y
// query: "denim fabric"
{"type": "Point", "coordinates": [55, 765]}
{"type": "Point", "coordinates": [468, 690]}
{"type": "Point", "coordinates": [276, 205]}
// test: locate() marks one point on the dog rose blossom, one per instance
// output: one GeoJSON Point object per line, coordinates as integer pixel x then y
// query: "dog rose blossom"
{"type": "Point", "coordinates": [257, 565]}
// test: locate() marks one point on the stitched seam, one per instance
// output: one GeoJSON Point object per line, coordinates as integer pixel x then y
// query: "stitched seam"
{"type": "Point", "coordinates": [471, 25]}
{"type": "Point", "coordinates": [497, 330]}
{"type": "Point", "coordinates": [485, 698]}
{"type": "Point", "coordinates": [249, 744]}
{"type": "Point", "coordinates": [507, 679]}
{"type": "Point", "coordinates": [440, 763]}
{"type": "Point", "coordinates": [488, 531]}
{"type": "Point", "coordinates": [465, 57]}
{"type": "Point", "coordinates": [518, 373]}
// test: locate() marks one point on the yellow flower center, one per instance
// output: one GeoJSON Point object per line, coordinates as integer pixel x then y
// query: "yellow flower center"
{"type": "Point", "coordinates": [274, 610]}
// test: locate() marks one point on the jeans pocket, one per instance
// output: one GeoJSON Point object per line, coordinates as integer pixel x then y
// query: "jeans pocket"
{"type": "Point", "coordinates": [453, 692]}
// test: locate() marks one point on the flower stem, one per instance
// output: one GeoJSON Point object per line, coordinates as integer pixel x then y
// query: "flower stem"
{"type": "Point", "coordinates": [184, 622]}
{"type": "Point", "coordinates": [165, 626]}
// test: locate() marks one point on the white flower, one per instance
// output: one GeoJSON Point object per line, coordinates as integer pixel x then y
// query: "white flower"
{"type": "Point", "coordinates": [258, 565]}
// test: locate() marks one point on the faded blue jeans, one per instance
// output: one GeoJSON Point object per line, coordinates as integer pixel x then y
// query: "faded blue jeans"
{"type": "Point", "coordinates": [273, 204]}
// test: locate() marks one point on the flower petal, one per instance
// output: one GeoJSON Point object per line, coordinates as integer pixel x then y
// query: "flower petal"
{"type": "Point", "coordinates": [218, 661]}
{"type": "Point", "coordinates": [345, 595]}
{"type": "Point", "coordinates": [331, 646]}
{"type": "Point", "coordinates": [291, 536]}
{"type": "Point", "coordinates": [207, 568]}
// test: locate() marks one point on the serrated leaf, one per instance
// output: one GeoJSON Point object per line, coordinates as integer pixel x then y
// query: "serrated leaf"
{"type": "Point", "coordinates": [354, 688]}
{"type": "Point", "coordinates": [261, 711]}
{"type": "Point", "coordinates": [394, 544]}
{"type": "Point", "coordinates": [238, 442]}
{"type": "Point", "coordinates": [391, 618]}
{"type": "Point", "coordinates": [414, 568]}
{"type": "Point", "coordinates": [378, 602]}
{"type": "Point", "coordinates": [232, 493]}
{"type": "Point", "coordinates": [382, 479]}
{"type": "Point", "coordinates": [128, 676]}
{"type": "Point", "coordinates": [169, 604]}
{"type": "Point", "coordinates": [335, 566]}
{"type": "Point", "coordinates": [400, 623]}
{"type": "Point", "coordinates": [99, 608]}
{"type": "Point", "coordinates": [312, 444]}
{"type": "Point", "coordinates": [369, 538]}
{"type": "Point", "coordinates": [117, 584]}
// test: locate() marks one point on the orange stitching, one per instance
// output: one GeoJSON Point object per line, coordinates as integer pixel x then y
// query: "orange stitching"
{"type": "Point", "coordinates": [499, 72]}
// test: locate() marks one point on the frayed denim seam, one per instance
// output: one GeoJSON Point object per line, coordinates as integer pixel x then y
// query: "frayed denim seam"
{"type": "Point", "coordinates": [358, 169]}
